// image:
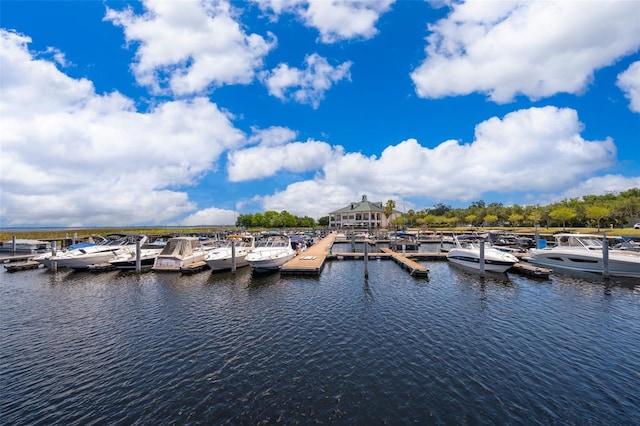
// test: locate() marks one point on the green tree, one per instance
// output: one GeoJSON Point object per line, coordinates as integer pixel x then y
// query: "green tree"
{"type": "Point", "coordinates": [516, 218]}
{"type": "Point", "coordinates": [491, 219]}
{"type": "Point", "coordinates": [388, 208]}
{"type": "Point", "coordinates": [562, 214]}
{"type": "Point", "coordinates": [470, 218]}
{"type": "Point", "coordinates": [597, 213]}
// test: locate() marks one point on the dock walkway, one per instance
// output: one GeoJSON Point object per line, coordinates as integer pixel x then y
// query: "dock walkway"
{"type": "Point", "coordinates": [310, 261]}
{"type": "Point", "coordinates": [415, 269]}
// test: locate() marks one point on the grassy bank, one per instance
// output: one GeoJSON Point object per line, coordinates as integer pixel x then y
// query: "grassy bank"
{"type": "Point", "coordinates": [86, 232]}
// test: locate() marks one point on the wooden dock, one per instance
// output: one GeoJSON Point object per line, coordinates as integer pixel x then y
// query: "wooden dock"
{"type": "Point", "coordinates": [415, 269]}
{"type": "Point", "coordinates": [22, 266]}
{"type": "Point", "coordinates": [17, 257]}
{"type": "Point", "coordinates": [530, 270]}
{"type": "Point", "coordinates": [194, 268]}
{"type": "Point", "coordinates": [311, 261]}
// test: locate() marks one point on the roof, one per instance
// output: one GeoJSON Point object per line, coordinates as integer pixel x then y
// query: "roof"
{"type": "Point", "coordinates": [359, 207]}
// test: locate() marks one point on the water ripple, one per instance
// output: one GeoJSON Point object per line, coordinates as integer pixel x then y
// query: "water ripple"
{"type": "Point", "coordinates": [241, 349]}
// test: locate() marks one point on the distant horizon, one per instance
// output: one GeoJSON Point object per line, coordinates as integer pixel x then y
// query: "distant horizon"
{"type": "Point", "coordinates": [191, 112]}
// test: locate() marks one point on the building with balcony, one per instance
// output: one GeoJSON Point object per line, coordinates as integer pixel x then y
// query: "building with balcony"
{"type": "Point", "coordinates": [362, 215]}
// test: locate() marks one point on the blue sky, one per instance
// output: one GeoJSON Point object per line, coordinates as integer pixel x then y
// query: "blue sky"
{"type": "Point", "coordinates": [122, 113]}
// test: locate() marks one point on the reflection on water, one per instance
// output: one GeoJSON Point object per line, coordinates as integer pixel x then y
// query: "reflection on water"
{"type": "Point", "coordinates": [240, 348]}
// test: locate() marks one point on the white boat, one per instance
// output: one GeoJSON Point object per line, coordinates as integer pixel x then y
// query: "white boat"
{"type": "Point", "coordinates": [84, 257]}
{"type": "Point", "coordinates": [271, 253]}
{"type": "Point", "coordinates": [26, 246]}
{"type": "Point", "coordinates": [221, 257]}
{"type": "Point", "coordinates": [467, 253]}
{"type": "Point", "coordinates": [127, 261]}
{"type": "Point", "coordinates": [584, 253]}
{"type": "Point", "coordinates": [178, 253]}
{"type": "Point", "coordinates": [45, 258]}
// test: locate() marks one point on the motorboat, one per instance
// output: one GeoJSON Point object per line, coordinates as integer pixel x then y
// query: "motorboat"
{"type": "Point", "coordinates": [271, 253]}
{"type": "Point", "coordinates": [45, 258]}
{"type": "Point", "coordinates": [466, 252]}
{"type": "Point", "coordinates": [84, 257]}
{"type": "Point", "coordinates": [127, 261]}
{"type": "Point", "coordinates": [221, 257]}
{"type": "Point", "coordinates": [20, 245]}
{"type": "Point", "coordinates": [404, 242]}
{"type": "Point", "coordinates": [585, 253]}
{"type": "Point", "coordinates": [507, 241]}
{"type": "Point", "coordinates": [180, 252]}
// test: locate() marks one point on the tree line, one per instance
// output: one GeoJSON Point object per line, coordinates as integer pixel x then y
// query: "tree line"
{"type": "Point", "coordinates": [617, 210]}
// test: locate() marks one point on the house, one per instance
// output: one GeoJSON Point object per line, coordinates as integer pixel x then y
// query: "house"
{"type": "Point", "coordinates": [363, 214]}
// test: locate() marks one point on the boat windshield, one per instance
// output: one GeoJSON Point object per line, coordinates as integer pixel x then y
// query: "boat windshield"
{"type": "Point", "coordinates": [588, 242]}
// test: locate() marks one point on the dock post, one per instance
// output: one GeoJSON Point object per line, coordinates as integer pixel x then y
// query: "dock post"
{"type": "Point", "coordinates": [73, 240]}
{"type": "Point", "coordinates": [233, 256]}
{"type": "Point", "coordinates": [353, 242]}
{"type": "Point", "coordinates": [482, 257]}
{"type": "Point", "coordinates": [366, 260]}
{"type": "Point", "coordinates": [54, 264]}
{"type": "Point", "coordinates": [138, 257]}
{"type": "Point", "coordinates": [13, 244]}
{"type": "Point", "coordinates": [605, 256]}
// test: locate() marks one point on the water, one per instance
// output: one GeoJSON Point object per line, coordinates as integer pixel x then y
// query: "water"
{"type": "Point", "coordinates": [219, 348]}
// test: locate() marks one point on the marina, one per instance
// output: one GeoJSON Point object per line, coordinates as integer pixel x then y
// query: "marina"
{"type": "Point", "coordinates": [335, 347]}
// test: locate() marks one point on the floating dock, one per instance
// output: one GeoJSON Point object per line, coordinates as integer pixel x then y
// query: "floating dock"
{"type": "Point", "coordinates": [415, 269]}
{"type": "Point", "coordinates": [311, 261]}
{"type": "Point", "coordinates": [194, 267]}
{"type": "Point", "coordinates": [530, 270]}
{"type": "Point", "coordinates": [22, 266]}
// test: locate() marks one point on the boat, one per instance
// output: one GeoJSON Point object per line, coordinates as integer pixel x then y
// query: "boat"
{"type": "Point", "coordinates": [508, 241]}
{"type": "Point", "coordinates": [25, 246]}
{"type": "Point", "coordinates": [271, 253]}
{"type": "Point", "coordinates": [45, 258]}
{"type": "Point", "coordinates": [466, 252]}
{"type": "Point", "coordinates": [127, 261]}
{"type": "Point", "coordinates": [180, 252]}
{"type": "Point", "coordinates": [404, 242]}
{"type": "Point", "coordinates": [221, 257]}
{"type": "Point", "coordinates": [585, 253]}
{"type": "Point", "coordinates": [84, 257]}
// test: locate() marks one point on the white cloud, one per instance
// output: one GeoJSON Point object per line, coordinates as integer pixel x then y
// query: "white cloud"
{"type": "Point", "coordinates": [275, 135]}
{"type": "Point", "coordinates": [336, 20]}
{"type": "Point", "coordinates": [629, 83]}
{"type": "Point", "coordinates": [189, 46]}
{"type": "Point", "coordinates": [72, 157]}
{"type": "Point", "coordinates": [533, 48]}
{"type": "Point", "coordinates": [210, 216]}
{"type": "Point", "coordinates": [305, 86]}
{"type": "Point", "coordinates": [600, 185]}
{"type": "Point", "coordinates": [264, 160]}
{"type": "Point", "coordinates": [536, 149]}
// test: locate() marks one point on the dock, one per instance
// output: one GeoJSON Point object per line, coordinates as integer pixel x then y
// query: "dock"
{"type": "Point", "coordinates": [311, 261]}
{"type": "Point", "coordinates": [22, 266]}
{"type": "Point", "coordinates": [530, 270]}
{"type": "Point", "coordinates": [415, 269]}
{"type": "Point", "coordinates": [17, 257]}
{"type": "Point", "coordinates": [194, 268]}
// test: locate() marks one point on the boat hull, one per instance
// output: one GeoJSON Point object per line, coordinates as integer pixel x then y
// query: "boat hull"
{"type": "Point", "coordinates": [175, 264]}
{"type": "Point", "coordinates": [225, 263]}
{"type": "Point", "coordinates": [84, 261]}
{"type": "Point", "coordinates": [621, 263]}
{"type": "Point", "coordinates": [270, 263]}
{"type": "Point", "coordinates": [492, 262]}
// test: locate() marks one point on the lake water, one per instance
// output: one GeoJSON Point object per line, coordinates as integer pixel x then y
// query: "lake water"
{"type": "Point", "coordinates": [223, 348]}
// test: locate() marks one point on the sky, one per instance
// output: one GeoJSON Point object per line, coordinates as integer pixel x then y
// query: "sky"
{"type": "Point", "coordinates": [187, 113]}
